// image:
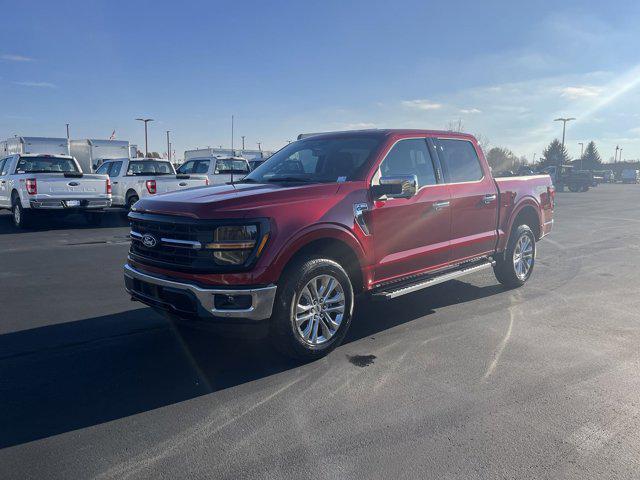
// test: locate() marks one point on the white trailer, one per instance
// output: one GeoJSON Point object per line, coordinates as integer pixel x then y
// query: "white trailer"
{"type": "Point", "coordinates": [226, 153]}
{"type": "Point", "coordinates": [28, 145]}
{"type": "Point", "coordinates": [91, 153]}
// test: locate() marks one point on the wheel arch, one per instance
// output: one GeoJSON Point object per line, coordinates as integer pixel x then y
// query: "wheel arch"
{"type": "Point", "coordinates": [332, 242]}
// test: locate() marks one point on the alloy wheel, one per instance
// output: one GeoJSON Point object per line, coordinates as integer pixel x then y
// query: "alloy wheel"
{"type": "Point", "coordinates": [319, 309]}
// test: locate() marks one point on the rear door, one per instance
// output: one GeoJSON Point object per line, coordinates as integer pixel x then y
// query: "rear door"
{"type": "Point", "coordinates": [474, 199]}
{"type": "Point", "coordinates": [117, 188]}
{"type": "Point", "coordinates": [411, 235]}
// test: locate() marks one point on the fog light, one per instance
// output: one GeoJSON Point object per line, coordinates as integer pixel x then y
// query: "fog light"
{"type": "Point", "coordinates": [232, 302]}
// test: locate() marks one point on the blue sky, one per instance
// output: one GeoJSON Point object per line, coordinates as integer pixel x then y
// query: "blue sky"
{"type": "Point", "coordinates": [505, 69]}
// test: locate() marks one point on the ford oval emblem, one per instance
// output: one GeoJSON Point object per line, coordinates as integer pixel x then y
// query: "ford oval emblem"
{"type": "Point", "coordinates": [149, 241]}
{"type": "Point", "coordinates": [73, 184]}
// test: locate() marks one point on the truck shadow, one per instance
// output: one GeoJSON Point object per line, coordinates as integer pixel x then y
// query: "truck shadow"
{"type": "Point", "coordinates": [69, 376]}
{"type": "Point", "coordinates": [112, 218]}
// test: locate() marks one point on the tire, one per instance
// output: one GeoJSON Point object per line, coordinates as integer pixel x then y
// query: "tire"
{"type": "Point", "coordinates": [94, 218]}
{"type": "Point", "coordinates": [21, 218]}
{"type": "Point", "coordinates": [585, 188]}
{"type": "Point", "coordinates": [131, 199]}
{"type": "Point", "coordinates": [299, 327]}
{"type": "Point", "coordinates": [574, 188]}
{"type": "Point", "coordinates": [505, 269]}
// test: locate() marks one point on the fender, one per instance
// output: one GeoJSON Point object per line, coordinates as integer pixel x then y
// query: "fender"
{"type": "Point", "coordinates": [318, 232]}
{"type": "Point", "coordinates": [526, 201]}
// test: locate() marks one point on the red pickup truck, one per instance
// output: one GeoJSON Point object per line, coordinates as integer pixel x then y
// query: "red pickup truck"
{"type": "Point", "coordinates": [330, 216]}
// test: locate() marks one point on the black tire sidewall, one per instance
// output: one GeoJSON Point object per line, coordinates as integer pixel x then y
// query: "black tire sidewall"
{"type": "Point", "coordinates": [283, 328]}
{"type": "Point", "coordinates": [16, 204]}
{"type": "Point", "coordinates": [505, 270]}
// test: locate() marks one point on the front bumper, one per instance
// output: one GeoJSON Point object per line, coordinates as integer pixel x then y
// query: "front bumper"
{"type": "Point", "coordinates": [188, 300]}
{"type": "Point", "coordinates": [61, 203]}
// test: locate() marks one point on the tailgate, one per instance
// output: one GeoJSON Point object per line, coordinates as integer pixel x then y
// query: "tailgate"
{"type": "Point", "coordinates": [57, 185]}
{"type": "Point", "coordinates": [171, 184]}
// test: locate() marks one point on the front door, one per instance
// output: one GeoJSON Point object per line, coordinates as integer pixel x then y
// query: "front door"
{"type": "Point", "coordinates": [474, 200]}
{"type": "Point", "coordinates": [410, 235]}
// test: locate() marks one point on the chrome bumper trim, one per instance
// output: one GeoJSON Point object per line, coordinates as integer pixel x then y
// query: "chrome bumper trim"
{"type": "Point", "coordinates": [261, 298]}
{"type": "Point", "coordinates": [60, 204]}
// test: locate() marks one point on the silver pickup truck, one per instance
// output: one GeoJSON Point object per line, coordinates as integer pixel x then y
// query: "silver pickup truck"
{"type": "Point", "coordinates": [51, 183]}
{"type": "Point", "coordinates": [135, 178]}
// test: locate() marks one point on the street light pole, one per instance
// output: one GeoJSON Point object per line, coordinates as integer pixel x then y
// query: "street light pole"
{"type": "Point", "coordinates": [243, 143]}
{"type": "Point", "coordinates": [581, 152]}
{"type": "Point", "coordinates": [146, 141]}
{"type": "Point", "coordinates": [168, 147]}
{"type": "Point", "coordinates": [615, 156]}
{"type": "Point", "coordinates": [620, 153]}
{"type": "Point", "coordinates": [68, 141]}
{"type": "Point", "coordinates": [564, 126]}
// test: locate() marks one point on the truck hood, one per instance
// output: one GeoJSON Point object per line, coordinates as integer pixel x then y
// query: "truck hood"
{"type": "Point", "coordinates": [244, 200]}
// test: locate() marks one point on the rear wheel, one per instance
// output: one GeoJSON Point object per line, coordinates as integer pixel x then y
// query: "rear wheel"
{"type": "Point", "coordinates": [313, 309]}
{"type": "Point", "coordinates": [516, 266]}
{"type": "Point", "coordinates": [131, 200]}
{"type": "Point", "coordinates": [574, 187]}
{"type": "Point", "coordinates": [21, 218]}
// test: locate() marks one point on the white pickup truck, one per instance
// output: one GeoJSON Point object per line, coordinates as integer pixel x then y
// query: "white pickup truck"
{"type": "Point", "coordinates": [134, 178]}
{"type": "Point", "coordinates": [52, 183]}
{"type": "Point", "coordinates": [218, 170]}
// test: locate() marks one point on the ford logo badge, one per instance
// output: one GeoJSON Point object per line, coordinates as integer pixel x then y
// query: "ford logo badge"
{"type": "Point", "coordinates": [149, 241]}
{"type": "Point", "coordinates": [73, 184]}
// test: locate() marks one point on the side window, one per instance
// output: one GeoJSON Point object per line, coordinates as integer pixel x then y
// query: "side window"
{"type": "Point", "coordinates": [187, 167]}
{"type": "Point", "coordinates": [410, 157]}
{"type": "Point", "coordinates": [115, 169]}
{"type": "Point", "coordinates": [459, 160]}
{"type": "Point", "coordinates": [104, 169]}
{"type": "Point", "coordinates": [201, 167]}
{"type": "Point", "coordinates": [2, 164]}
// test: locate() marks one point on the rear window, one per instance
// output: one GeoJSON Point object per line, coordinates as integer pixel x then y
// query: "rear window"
{"type": "Point", "coordinates": [459, 160]}
{"type": "Point", "coordinates": [231, 166]}
{"type": "Point", "coordinates": [150, 167]}
{"type": "Point", "coordinates": [46, 165]}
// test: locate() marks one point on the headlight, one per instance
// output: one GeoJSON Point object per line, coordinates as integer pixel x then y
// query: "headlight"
{"type": "Point", "coordinates": [232, 245]}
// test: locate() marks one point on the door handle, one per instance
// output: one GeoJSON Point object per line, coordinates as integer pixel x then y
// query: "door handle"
{"type": "Point", "coordinates": [489, 198]}
{"type": "Point", "coordinates": [115, 183]}
{"type": "Point", "coordinates": [440, 205]}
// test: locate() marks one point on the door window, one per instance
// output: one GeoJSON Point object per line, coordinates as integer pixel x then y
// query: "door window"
{"type": "Point", "coordinates": [460, 161]}
{"type": "Point", "coordinates": [115, 169]}
{"type": "Point", "coordinates": [202, 166]}
{"type": "Point", "coordinates": [2, 163]}
{"type": "Point", "coordinates": [409, 157]}
{"type": "Point", "coordinates": [187, 167]}
{"type": "Point", "coordinates": [104, 169]}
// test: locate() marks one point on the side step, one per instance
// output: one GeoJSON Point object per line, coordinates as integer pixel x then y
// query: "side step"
{"type": "Point", "coordinates": [402, 288]}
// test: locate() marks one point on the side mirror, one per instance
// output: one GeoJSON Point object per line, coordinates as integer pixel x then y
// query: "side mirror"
{"type": "Point", "coordinates": [396, 186]}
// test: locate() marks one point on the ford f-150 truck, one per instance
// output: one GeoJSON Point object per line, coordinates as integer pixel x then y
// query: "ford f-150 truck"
{"type": "Point", "coordinates": [36, 182]}
{"type": "Point", "coordinates": [217, 170]}
{"type": "Point", "coordinates": [379, 212]}
{"type": "Point", "coordinates": [135, 178]}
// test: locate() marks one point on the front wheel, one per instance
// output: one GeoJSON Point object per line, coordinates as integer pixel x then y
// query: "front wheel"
{"type": "Point", "coordinates": [313, 309]}
{"type": "Point", "coordinates": [515, 267]}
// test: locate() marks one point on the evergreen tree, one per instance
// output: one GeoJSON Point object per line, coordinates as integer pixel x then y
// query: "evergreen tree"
{"type": "Point", "coordinates": [554, 154]}
{"type": "Point", "coordinates": [591, 160]}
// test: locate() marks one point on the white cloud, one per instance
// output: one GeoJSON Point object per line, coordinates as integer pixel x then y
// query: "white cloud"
{"type": "Point", "coordinates": [36, 84]}
{"type": "Point", "coordinates": [583, 91]}
{"type": "Point", "coordinates": [15, 58]}
{"type": "Point", "coordinates": [470, 110]}
{"type": "Point", "coordinates": [421, 104]}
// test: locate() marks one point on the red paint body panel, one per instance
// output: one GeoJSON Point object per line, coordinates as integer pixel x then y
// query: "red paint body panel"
{"type": "Point", "coordinates": [407, 235]}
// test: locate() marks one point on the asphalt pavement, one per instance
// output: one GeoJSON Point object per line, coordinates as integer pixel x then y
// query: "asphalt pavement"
{"type": "Point", "coordinates": [464, 380]}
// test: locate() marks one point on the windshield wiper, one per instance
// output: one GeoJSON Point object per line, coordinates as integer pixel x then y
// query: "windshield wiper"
{"type": "Point", "coordinates": [247, 180]}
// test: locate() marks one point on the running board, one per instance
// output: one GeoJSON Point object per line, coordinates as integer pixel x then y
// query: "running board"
{"type": "Point", "coordinates": [390, 291]}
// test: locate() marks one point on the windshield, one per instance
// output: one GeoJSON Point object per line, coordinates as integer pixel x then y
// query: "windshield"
{"type": "Point", "coordinates": [150, 167]}
{"type": "Point", "coordinates": [231, 166]}
{"type": "Point", "coordinates": [46, 165]}
{"type": "Point", "coordinates": [317, 160]}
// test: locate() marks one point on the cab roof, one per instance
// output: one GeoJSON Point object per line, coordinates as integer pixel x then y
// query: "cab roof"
{"type": "Point", "coordinates": [387, 132]}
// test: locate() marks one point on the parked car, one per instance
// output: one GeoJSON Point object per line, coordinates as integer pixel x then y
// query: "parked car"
{"type": "Point", "coordinates": [134, 178]}
{"type": "Point", "coordinates": [568, 176]}
{"type": "Point", "coordinates": [218, 170]}
{"type": "Point", "coordinates": [629, 175]}
{"type": "Point", "coordinates": [383, 213]}
{"type": "Point", "coordinates": [31, 183]}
